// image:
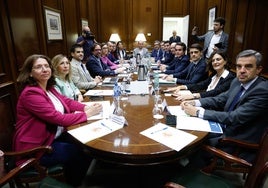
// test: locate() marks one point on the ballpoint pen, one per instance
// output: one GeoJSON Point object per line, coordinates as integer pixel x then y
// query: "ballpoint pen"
{"type": "Point", "coordinates": [159, 130]}
{"type": "Point", "coordinates": [106, 126]}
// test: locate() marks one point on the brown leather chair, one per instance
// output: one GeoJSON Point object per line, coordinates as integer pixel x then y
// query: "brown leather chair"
{"type": "Point", "coordinates": [10, 177]}
{"type": "Point", "coordinates": [256, 172]}
{"type": "Point", "coordinates": [36, 172]}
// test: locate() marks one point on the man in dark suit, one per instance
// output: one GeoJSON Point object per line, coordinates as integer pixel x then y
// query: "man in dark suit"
{"type": "Point", "coordinates": [96, 67]}
{"type": "Point", "coordinates": [213, 40]}
{"type": "Point", "coordinates": [244, 119]}
{"type": "Point", "coordinates": [195, 72]}
{"type": "Point", "coordinates": [174, 37]}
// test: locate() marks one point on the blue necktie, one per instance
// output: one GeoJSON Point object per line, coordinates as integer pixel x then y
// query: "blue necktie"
{"type": "Point", "coordinates": [236, 98]}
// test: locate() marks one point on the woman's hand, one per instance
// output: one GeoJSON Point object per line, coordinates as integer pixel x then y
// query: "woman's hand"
{"type": "Point", "coordinates": [80, 98]}
{"type": "Point", "coordinates": [93, 109]}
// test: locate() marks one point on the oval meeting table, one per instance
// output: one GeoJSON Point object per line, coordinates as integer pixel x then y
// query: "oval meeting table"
{"type": "Point", "coordinates": [127, 146]}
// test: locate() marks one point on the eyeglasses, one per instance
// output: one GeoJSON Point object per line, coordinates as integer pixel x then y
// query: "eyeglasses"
{"type": "Point", "coordinates": [97, 49]}
{"type": "Point", "coordinates": [41, 67]}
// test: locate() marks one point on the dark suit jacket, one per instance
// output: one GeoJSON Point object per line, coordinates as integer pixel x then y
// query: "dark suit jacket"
{"type": "Point", "coordinates": [177, 39]}
{"type": "Point", "coordinates": [222, 86]}
{"type": "Point", "coordinates": [96, 69]}
{"type": "Point", "coordinates": [178, 64]}
{"type": "Point", "coordinates": [157, 54]}
{"type": "Point", "coordinates": [249, 120]}
{"type": "Point", "coordinates": [192, 74]}
{"type": "Point", "coordinates": [168, 57]}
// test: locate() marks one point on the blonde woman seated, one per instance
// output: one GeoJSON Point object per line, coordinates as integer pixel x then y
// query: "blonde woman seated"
{"type": "Point", "coordinates": [64, 83]}
{"type": "Point", "coordinates": [219, 81]}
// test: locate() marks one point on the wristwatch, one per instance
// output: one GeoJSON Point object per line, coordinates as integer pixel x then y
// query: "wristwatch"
{"type": "Point", "coordinates": [195, 96]}
{"type": "Point", "coordinates": [197, 113]}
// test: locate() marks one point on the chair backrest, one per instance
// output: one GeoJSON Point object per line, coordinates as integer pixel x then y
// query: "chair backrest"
{"type": "Point", "coordinates": [259, 170]}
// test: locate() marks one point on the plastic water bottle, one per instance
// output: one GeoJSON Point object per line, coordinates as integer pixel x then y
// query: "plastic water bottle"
{"type": "Point", "coordinates": [117, 90]}
{"type": "Point", "coordinates": [156, 81]}
{"type": "Point", "coordinates": [117, 93]}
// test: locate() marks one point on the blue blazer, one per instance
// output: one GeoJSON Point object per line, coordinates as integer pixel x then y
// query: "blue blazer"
{"type": "Point", "coordinates": [222, 86]}
{"type": "Point", "coordinates": [96, 69]}
{"type": "Point", "coordinates": [206, 38]}
{"type": "Point", "coordinates": [168, 57]}
{"type": "Point", "coordinates": [178, 64]}
{"type": "Point", "coordinates": [157, 54]}
{"type": "Point", "coordinates": [192, 74]}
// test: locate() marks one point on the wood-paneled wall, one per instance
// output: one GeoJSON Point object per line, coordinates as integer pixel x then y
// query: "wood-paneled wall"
{"type": "Point", "coordinates": [23, 30]}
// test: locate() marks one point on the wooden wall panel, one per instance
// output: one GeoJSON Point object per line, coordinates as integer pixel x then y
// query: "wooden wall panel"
{"type": "Point", "coordinates": [256, 29]}
{"type": "Point", "coordinates": [7, 115]}
{"type": "Point", "coordinates": [112, 19]}
{"type": "Point", "coordinates": [24, 30]}
{"type": "Point", "coordinates": [175, 7]}
{"type": "Point", "coordinates": [146, 19]}
{"type": "Point", "coordinates": [72, 23]}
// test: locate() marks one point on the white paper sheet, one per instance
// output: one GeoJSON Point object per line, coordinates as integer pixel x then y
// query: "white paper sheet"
{"type": "Point", "coordinates": [162, 81]}
{"type": "Point", "coordinates": [139, 87]}
{"type": "Point", "coordinates": [169, 136]}
{"type": "Point", "coordinates": [94, 130]}
{"type": "Point", "coordinates": [187, 122]}
{"type": "Point", "coordinates": [94, 92]}
{"type": "Point", "coordinates": [106, 110]}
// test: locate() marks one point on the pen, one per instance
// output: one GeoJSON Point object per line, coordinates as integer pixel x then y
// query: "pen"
{"type": "Point", "coordinates": [159, 130]}
{"type": "Point", "coordinates": [106, 126]}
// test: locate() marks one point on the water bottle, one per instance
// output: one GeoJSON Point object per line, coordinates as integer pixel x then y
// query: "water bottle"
{"type": "Point", "coordinates": [156, 81]}
{"type": "Point", "coordinates": [117, 92]}
{"type": "Point", "coordinates": [138, 59]}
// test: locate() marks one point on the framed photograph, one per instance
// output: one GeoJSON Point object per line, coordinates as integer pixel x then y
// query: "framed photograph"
{"type": "Point", "coordinates": [211, 17]}
{"type": "Point", "coordinates": [84, 22]}
{"type": "Point", "coordinates": [53, 24]}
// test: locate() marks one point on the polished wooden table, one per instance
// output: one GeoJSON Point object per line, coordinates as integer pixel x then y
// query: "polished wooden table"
{"type": "Point", "coordinates": [128, 146]}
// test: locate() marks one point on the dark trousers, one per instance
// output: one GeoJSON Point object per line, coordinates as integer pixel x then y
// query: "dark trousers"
{"type": "Point", "coordinates": [71, 155]}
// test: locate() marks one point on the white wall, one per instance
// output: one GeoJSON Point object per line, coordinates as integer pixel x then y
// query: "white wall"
{"type": "Point", "coordinates": [179, 24]}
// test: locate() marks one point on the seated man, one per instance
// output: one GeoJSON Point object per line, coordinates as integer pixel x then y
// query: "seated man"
{"type": "Point", "coordinates": [245, 105]}
{"type": "Point", "coordinates": [195, 71]}
{"type": "Point", "coordinates": [96, 67]}
{"type": "Point", "coordinates": [168, 55]}
{"type": "Point", "coordinates": [157, 52]}
{"type": "Point", "coordinates": [180, 61]}
{"type": "Point", "coordinates": [80, 76]}
{"type": "Point", "coordinates": [140, 50]}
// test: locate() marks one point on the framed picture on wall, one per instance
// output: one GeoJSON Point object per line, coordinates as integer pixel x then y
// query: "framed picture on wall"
{"type": "Point", "coordinates": [211, 17]}
{"type": "Point", "coordinates": [84, 22]}
{"type": "Point", "coordinates": [53, 24]}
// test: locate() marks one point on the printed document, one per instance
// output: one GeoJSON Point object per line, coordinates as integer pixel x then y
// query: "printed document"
{"type": "Point", "coordinates": [169, 136]}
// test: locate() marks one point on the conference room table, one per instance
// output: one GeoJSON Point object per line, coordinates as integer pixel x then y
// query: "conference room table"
{"type": "Point", "coordinates": [127, 146]}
